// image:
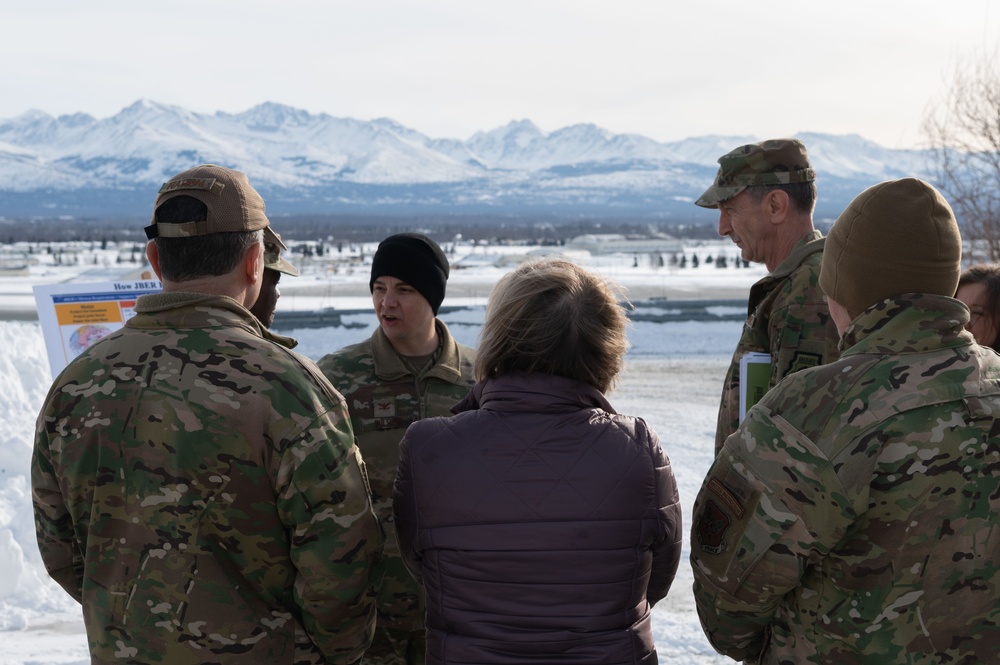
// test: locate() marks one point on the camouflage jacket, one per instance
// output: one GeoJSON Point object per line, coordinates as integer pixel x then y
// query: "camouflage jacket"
{"type": "Point", "coordinates": [384, 397]}
{"type": "Point", "coordinates": [197, 488]}
{"type": "Point", "coordinates": [287, 342]}
{"type": "Point", "coordinates": [854, 517]}
{"type": "Point", "coordinates": [787, 318]}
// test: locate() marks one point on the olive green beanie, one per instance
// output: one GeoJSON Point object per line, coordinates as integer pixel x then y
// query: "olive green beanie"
{"type": "Point", "coordinates": [897, 237]}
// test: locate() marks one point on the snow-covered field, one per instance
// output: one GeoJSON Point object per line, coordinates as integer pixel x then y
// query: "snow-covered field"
{"type": "Point", "coordinates": [673, 379]}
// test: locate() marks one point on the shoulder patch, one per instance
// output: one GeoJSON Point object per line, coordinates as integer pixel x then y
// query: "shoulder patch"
{"type": "Point", "coordinates": [804, 360]}
{"type": "Point", "coordinates": [712, 526]}
{"type": "Point", "coordinates": [726, 497]}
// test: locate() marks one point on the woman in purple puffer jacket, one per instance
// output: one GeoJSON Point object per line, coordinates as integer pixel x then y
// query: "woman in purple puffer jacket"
{"type": "Point", "coordinates": [542, 524]}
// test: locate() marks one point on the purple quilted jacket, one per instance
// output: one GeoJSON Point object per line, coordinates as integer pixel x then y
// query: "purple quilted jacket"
{"type": "Point", "coordinates": [542, 524]}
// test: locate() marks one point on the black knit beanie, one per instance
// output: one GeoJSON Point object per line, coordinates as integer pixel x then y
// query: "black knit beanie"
{"type": "Point", "coordinates": [415, 259]}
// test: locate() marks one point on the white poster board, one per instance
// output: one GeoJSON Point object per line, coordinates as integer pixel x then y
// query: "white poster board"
{"type": "Point", "coordinates": [74, 316]}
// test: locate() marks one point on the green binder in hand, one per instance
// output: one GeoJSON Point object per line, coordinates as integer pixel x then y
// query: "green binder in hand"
{"type": "Point", "coordinates": [755, 375]}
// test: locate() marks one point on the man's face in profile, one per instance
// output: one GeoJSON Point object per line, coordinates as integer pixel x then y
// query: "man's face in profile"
{"type": "Point", "coordinates": [267, 301]}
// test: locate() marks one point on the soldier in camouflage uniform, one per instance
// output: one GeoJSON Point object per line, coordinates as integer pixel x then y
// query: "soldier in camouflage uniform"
{"type": "Point", "coordinates": [765, 193]}
{"type": "Point", "coordinates": [411, 368]}
{"type": "Point", "coordinates": [196, 486]}
{"type": "Point", "coordinates": [275, 265]}
{"type": "Point", "coordinates": [854, 516]}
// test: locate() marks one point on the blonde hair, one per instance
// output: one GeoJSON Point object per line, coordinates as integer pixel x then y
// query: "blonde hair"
{"type": "Point", "coordinates": [553, 317]}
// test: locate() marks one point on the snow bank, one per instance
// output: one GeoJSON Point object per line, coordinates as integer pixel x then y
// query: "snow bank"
{"type": "Point", "coordinates": [26, 592]}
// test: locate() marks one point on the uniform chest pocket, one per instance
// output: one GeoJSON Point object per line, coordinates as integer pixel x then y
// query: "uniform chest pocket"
{"type": "Point", "coordinates": [383, 407]}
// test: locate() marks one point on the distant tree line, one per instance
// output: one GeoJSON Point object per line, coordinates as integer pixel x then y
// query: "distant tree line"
{"type": "Point", "coordinates": [359, 228]}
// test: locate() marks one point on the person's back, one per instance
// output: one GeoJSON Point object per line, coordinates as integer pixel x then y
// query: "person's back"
{"type": "Point", "coordinates": [542, 524]}
{"type": "Point", "coordinates": [193, 458]}
{"type": "Point", "coordinates": [196, 486]}
{"type": "Point", "coordinates": [853, 516]}
{"type": "Point", "coordinates": [537, 521]}
{"type": "Point", "coordinates": [908, 433]}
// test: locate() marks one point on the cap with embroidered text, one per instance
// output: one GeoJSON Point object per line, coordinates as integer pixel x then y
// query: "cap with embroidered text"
{"type": "Point", "coordinates": [233, 204]}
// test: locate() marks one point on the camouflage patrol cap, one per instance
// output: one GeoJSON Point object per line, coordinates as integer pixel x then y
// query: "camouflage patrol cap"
{"type": "Point", "coordinates": [233, 204]}
{"type": "Point", "coordinates": [771, 162]}
{"type": "Point", "coordinates": [272, 254]}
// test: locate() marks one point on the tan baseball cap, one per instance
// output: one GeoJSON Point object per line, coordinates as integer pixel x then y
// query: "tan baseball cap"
{"type": "Point", "coordinates": [233, 204]}
{"type": "Point", "coordinates": [272, 254]}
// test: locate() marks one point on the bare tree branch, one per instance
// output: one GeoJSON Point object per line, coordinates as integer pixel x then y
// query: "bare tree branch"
{"type": "Point", "coordinates": [963, 131]}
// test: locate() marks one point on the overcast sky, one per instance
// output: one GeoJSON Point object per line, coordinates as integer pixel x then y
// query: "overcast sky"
{"type": "Point", "coordinates": [448, 68]}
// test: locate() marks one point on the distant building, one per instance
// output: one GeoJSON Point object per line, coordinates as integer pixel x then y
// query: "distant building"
{"type": "Point", "coordinates": [511, 259]}
{"type": "Point", "coordinates": [617, 243]}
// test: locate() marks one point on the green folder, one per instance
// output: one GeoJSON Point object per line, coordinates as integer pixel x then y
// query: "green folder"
{"type": "Point", "coordinates": [755, 375]}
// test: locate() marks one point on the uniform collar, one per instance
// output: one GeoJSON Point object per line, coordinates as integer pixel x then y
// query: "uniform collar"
{"type": "Point", "coordinates": [389, 366]}
{"type": "Point", "coordinates": [908, 323]}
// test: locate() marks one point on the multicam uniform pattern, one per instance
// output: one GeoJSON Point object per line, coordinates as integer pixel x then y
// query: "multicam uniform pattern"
{"type": "Point", "coordinates": [197, 488]}
{"type": "Point", "coordinates": [787, 318]}
{"type": "Point", "coordinates": [768, 163]}
{"type": "Point", "coordinates": [385, 396]}
{"type": "Point", "coordinates": [855, 516]}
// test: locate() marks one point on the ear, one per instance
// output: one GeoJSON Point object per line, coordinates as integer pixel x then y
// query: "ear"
{"type": "Point", "coordinates": [777, 204]}
{"type": "Point", "coordinates": [153, 256]}
{"type": "Point", "coordinates": [253, 262]}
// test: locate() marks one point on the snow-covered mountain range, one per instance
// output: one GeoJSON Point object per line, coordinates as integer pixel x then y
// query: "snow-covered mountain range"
{"type": "Point", "coordinates": [318, 164]}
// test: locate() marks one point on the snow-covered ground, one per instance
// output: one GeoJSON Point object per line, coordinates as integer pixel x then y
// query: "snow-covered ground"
{"type": "Point", "coordinates": [673, 379]}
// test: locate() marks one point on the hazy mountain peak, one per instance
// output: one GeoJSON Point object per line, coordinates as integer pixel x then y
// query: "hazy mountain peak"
{"type": "Point", "coordinates": [76, 119]}
{"type": "Point", "coordinates": [32, 115]}
{"type": "Point", "coordinates": [318, 163]}
{"type": "Point", "coordinates": [145, 107]}
{"type": "Point", "coordinates": [272, 117]}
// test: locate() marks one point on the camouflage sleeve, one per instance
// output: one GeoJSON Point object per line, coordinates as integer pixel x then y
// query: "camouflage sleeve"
{"type": "Point", "coordinates": [57, 541]}
{"type": "Point", "coordinates": [404, 508]}
{"type": "Point", "coordinates": [801, 335]}
{"type": "Point", "coordinates": [323, 497]}
{"type": "Point", "coordinates": [327, 366]}
{"type": "Point", "coordinates": [771, 504]}
{"type": "Point", "coordinates": [667, 550]}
